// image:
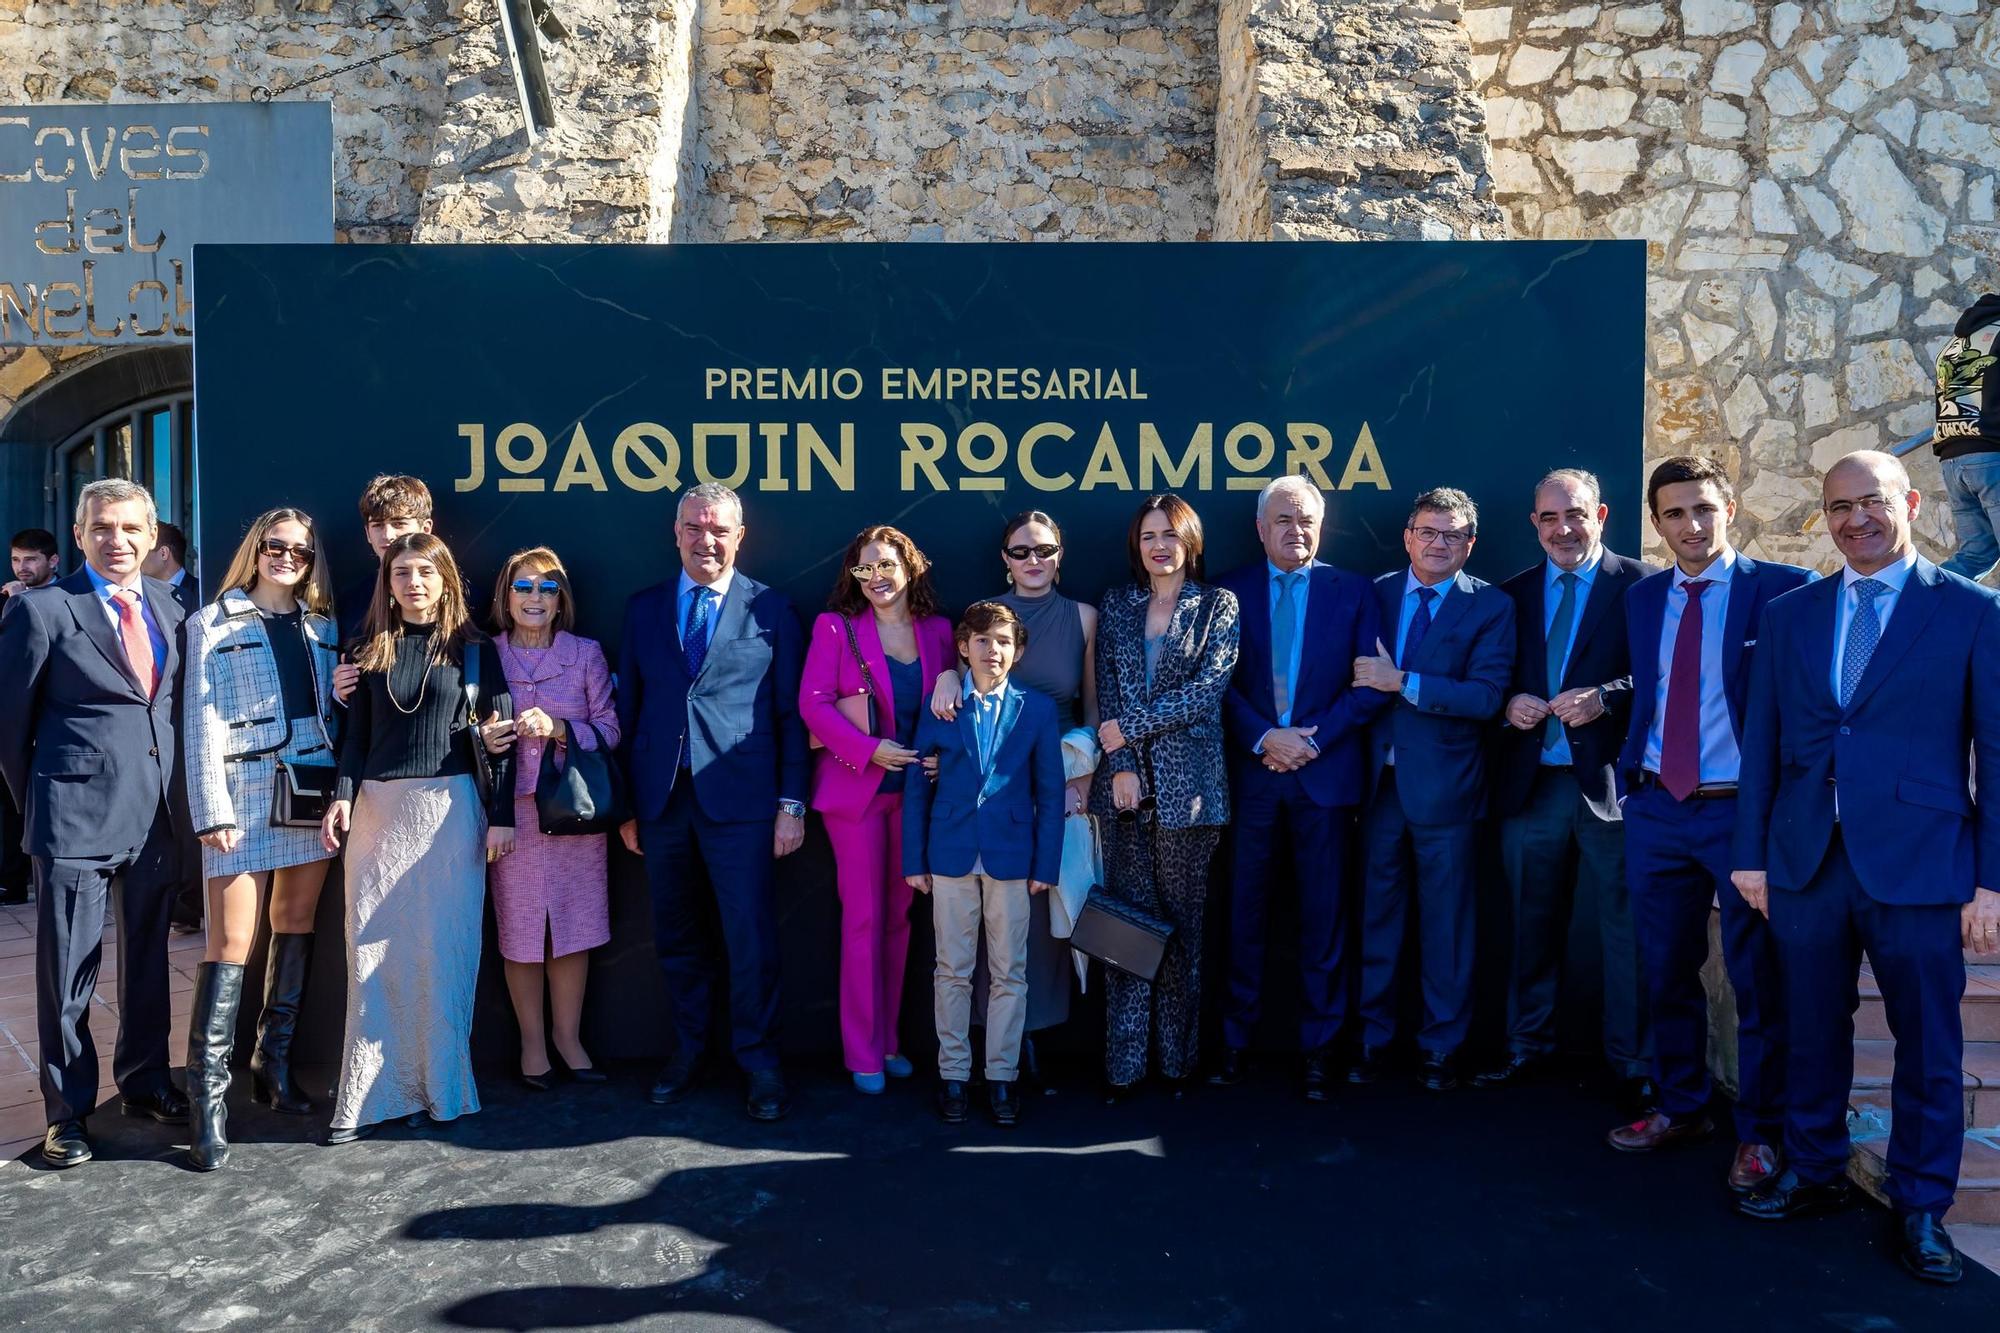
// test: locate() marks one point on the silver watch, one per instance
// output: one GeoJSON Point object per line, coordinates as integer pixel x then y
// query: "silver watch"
{"type": "Point", "coordinates": [796, 809]}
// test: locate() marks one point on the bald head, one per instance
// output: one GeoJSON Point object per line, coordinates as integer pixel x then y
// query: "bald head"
{"type": "Point", "coordinates": [1870, 509]}
{"type": "Point", "coordinates": [1885, 469]}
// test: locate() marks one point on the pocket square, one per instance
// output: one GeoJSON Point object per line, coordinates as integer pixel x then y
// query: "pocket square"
{"type": "Point", "coordinates": [1749, 643]}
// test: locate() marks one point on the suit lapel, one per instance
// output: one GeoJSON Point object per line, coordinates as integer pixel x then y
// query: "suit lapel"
{"type": "Point", "coordinates": [869, 636]}
{"type": "Point", "coordinates": [1914, 609]}
{"type": "Point", "coordinates": [728, 621]}
{"type": "Point", "coordinates": [1744, 593]}
{"type": "Point", "coordinates": [88, 608]}
{"type": "Point", "coordinates": [1452, 610]}
{"type": "Point", "coordinates": [159, 603]}
{"type": "Point", "coordinates": [1011, 701]}
{"type": "Point", "coordinates": [1321, 590]}
{"type": "Point", "coordinates": [1604, 590]}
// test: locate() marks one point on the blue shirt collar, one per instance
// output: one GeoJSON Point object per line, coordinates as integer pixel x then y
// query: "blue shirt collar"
{"type": "Point", "coordinates": [104, 585]}
{"type": "Point", "coordinates": [720, 587]}
{"type": "Point", "coordinates": [970, 691]}
{"type": "Point", "coordinates": [1274, 573]}
{"type": "Point", "coordinates": [1895, 575]}
{"type": "Point", "coordinates": [1720, 571]}
{"type": "Point", "coordinates": [1584, 572]}
{"type": "Point", "coordinates": [1411, 583]}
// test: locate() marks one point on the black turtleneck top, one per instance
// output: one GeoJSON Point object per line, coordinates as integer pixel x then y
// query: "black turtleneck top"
{"type": "Point", "coordinates": [412, 722]}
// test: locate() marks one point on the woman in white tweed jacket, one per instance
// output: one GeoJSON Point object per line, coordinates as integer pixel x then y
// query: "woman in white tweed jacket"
{"type": "Point", "coordinates": [259, 676]}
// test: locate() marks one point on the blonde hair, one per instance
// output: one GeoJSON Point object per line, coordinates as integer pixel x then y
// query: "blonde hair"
{"type": "Point", "coordinates": [453, 628]}
{"type": "Point", "coordinates": [540, 557]}
{"type": "Point", "coordinates": [315, 590]}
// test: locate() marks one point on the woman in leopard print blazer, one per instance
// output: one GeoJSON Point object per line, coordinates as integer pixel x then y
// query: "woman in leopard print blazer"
{"type": "Point", "coordinates": [1166, 644]}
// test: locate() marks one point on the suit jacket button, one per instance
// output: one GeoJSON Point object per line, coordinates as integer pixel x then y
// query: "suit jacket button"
{"type": "Point", "coordinates": [1847, 731]}
{"type": "Point", "coordinates": [154, 752]}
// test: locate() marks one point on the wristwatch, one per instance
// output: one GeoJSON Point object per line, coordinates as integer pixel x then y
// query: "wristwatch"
{"type": "Point", "coordinates": [796, 809]}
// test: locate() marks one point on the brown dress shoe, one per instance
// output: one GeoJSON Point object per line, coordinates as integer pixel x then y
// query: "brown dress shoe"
{"type": "Point", "coordinates": [1658, 1131]}
{"type": "Point", "coordinates": [1755, 1164]}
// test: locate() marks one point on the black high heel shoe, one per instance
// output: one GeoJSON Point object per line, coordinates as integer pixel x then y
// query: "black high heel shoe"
{"type": "Point", "coordinates": [588, 1074]}
{"type": "Point", "coordinates": [537, 1082]}
{"type": "Point", "coordinates": [1117, 1094]}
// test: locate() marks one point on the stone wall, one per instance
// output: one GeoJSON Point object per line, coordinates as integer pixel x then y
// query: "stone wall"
{"type": "Point", "coordinates": [1816, 186]}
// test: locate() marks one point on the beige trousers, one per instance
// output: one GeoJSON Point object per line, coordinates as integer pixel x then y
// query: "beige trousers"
{"type": "Point", "coordinates": [958, 906]}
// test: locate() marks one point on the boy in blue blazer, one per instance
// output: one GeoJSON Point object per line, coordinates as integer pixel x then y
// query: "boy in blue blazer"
{"type": "Point", "coordinates": [980, 838]}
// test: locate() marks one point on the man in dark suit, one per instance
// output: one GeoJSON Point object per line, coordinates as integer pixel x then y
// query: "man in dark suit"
{"type": "Point", "coordinates": [1858, 828]}
{"type": "Point", "coordinates": [708, 697]}
{"type": "Point", "coordinates": [1297, 745]}
{"type": "Point", "coordinates": [1554, 789]}
{"type": "Point", "coordinates": [1447, 675]}
{"type": "Point", "coordinates": [32, 555]}
{"type": "Point", "coordinates": [1693, 632]}
{"type": "Point", "coordinates": [168, 563]}
{"type": "Point", "coordinates": [89, 667]}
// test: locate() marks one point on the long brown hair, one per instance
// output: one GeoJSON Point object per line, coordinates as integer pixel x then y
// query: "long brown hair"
{"type": "Point", "coordinates": [847, 597]}
{"type": "Point", "coordinates": [453, 628]}
{"type": "Point", "coordinates": [314, 591]}
{"type": "Point", "coordinates": [501, 617]}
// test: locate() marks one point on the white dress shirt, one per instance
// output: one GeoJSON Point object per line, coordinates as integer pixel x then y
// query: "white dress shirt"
{"type": "Point", "coordinates": [1721, 760]}
{"type": "Point", "coordinates": [1895, 576]}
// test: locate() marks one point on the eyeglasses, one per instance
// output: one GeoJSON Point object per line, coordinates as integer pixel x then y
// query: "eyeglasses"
{"type": "Point", "coordinates": [1430, 536]}
{"type": "Point", "coordinates": [1040, 551]}
{"type": "Point", "coordinates": [547, 587]}
{"type": "Point", "coordinates": [886, 568]}
{"type": "Point", "coordinates": [277, 550]}
{"type": "Point", "coordinates": [1872, 505]}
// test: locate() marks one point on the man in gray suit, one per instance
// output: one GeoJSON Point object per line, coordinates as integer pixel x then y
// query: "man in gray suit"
{"type": "Point", "coordinates": [89, 667]}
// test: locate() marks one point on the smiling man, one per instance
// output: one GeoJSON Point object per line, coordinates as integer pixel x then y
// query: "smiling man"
{"type": "Point", "coordinates": [1858, 828]}
{"type": "Point", "coordinates": [89, 666]}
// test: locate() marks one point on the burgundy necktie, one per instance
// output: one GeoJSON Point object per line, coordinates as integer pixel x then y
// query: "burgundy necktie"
{"type": "Point", "coordinates": [1680, 734]}
{"type": "Point", "coordinates": [138, 643]}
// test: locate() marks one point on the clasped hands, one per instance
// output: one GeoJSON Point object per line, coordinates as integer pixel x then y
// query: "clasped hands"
{"type": "Point", "coordinates": [498, 735]}
{"type": "Point", "coordinates": [1576, 708]}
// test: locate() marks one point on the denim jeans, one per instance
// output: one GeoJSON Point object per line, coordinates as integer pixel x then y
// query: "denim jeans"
{"type": "Point", "coordinates": [1972, 484]}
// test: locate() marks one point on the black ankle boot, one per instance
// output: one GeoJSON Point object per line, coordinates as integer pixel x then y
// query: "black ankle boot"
{"type": "Point", "coordinates": [284, 990]}
{"type": "Point", "coordinates": [218, 989]}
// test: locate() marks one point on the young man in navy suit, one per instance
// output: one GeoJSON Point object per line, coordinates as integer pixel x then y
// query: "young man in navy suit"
{"type": "Point", "coordinates": [980, 840]}
{"type": "Point", "coordinates": [1447, 674]}
{"type": "Point", "coordinates": [1297, 732]}
{"type": "Point", "coordinates": [1858, 828]}
{"type": "Point", "coordinates": [708, 703]}
{"type": "Point", "coordinates": [1693, 634]}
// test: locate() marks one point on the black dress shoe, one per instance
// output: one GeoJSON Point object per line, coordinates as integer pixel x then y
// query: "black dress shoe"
{"type": "Point", "coordinates": [767, 1098]}
{"type": "Point", "coordinates": [589, 1074]}
{"type": "Point", "coordinates": [1117, 1094]}
{"type": "Point", "coordinates": [537, 1082]}
{"type": "Point", "coordinates": [1229, 1070]}
{"type": "Point", "coordinates": [65, 1144]}
{"type": "Point", "coordinates": [1004, 1104]}
{"type": "Point", "coordinates": [1439, 1072]}
{"type": "Point", "coordinates": [1316, 1076]}
{"type": "Point", "coordinates": [1788, 1196]}
{"type": "Point", "coordinates": [1926, 1250]}
{"type": "Point", "coordinates": [951, 1101]}
{"type": "Point", "coordinates": [1519, 1067]}
{"type": "Point", "coordinates": [167, 1106]}
{"type": "Point", "coordinates": [1369, 1067]}
{"type": "Point", "coordinates": [675, 1081]}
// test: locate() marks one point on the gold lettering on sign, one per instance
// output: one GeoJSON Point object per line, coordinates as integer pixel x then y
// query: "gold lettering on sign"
{"type": "Point", "coordinates": [635, 443]}
{"type": "Point", "coordinates": [579, 465]}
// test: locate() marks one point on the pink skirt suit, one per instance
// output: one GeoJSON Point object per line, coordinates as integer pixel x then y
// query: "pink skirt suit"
{"type": "Point", "coordinates": [865, 824]}
{"type": "Point", "coordinates": [553, 891]}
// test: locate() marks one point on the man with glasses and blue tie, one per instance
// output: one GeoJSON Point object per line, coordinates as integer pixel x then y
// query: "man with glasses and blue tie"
{"type": "Point", "coordinates": [708, 704]}
{"type": "Point", "coordinates": [1448, 674]}
{"type": "Point", "coordinates": [1858, 829]}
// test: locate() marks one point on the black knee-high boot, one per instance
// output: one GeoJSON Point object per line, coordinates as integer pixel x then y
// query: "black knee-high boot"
{"type": "Point", "coordinates": [218, 989]}
{"type": "Point", "coordinates": [284, 992]}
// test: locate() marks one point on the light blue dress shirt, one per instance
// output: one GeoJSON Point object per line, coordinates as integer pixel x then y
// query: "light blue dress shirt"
{"type": "Point", "coordinates": [153, 632]}
{"type": "Point", "coordinates": [985, 717]}
{"type": "Point", "coordinates": [1299, 594]}
{"type": "Point", "coordinates": [1412, 682]}
{"type": "Point", "coordinates": [1721, 760]}
{"type": "Point", "coordinates": [1586, 574]}
{"type": "Point", "coordinates": [721, 590]}
{"type": "Point", "coordinates": [1895, 576]}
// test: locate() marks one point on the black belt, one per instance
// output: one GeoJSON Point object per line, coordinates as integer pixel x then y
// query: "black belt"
{"type": "Point", "coordinates": [1707, 791]}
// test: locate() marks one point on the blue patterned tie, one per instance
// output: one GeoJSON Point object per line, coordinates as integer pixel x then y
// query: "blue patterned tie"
{"type": "Point", "coordinates": [1558, 648]}
{"type": "Point", "coordinates": [1420, 624]}
{"type": "Point", "coordinates": [1284, 630]}
{"type": "Point", "coordinates": [1863, 633]}
{"type": "Point", "coordinates": [694, 642]}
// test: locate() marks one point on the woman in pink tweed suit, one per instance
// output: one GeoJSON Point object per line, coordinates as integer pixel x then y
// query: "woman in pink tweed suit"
{"type": "Point", "coordinates": [550, 896]}
{"type": "Point", "coordinates": [883, 636]}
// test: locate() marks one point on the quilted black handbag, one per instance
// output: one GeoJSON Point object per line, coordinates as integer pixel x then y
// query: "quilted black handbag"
{"type": "Point", "coordinates": [583, 794]}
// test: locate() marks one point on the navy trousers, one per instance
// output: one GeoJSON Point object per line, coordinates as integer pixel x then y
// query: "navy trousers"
{"type": "Point", "coordinates": [1822, 932]}
{"type": "Point", "coordinates": [698, 868]}
{"type": "Point", "coordinates": [1267, 807]}
{"type": "Point", "coordinates": [1677, 859]}
{"type": "Point", "coordinates": [1441, 856]}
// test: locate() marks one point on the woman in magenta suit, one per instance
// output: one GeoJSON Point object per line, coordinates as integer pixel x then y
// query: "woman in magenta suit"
{"type": "Point", "coordinates": [882, 640]}
{"type": "Point", "coordinates": [550, 897]}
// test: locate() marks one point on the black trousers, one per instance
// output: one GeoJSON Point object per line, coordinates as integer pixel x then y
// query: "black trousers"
{"type": "Point", "coordinates": [72, 895]}
{"type": "Point", "coordinates": [16, 873]}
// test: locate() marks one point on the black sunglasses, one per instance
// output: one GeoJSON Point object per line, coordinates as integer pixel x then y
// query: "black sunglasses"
{"type": "Point", "coordinates": [1041, 551]}
{"type": "Point", "coordinates": [1146, 810]}
{"type": "Point", "coordinates": [277, 550]}
{"type": "Point", "coordinates": [547, 587]}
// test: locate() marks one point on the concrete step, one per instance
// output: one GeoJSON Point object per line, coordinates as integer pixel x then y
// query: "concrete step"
{"type": "Point", "coordinates": [1980, 1244]}
{"type": "Point", "coordinates": [1874, 1071]}
{"type": "Point", "coordinates": [1978, 1175]}
{"type": "Point", "coordinates": [1980, 1010]}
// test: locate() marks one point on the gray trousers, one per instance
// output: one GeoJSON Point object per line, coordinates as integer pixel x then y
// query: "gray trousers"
{"type": "Point", "coordinates": [959, 905]}
{"type": "Point", "coordinates": [1555, 851]}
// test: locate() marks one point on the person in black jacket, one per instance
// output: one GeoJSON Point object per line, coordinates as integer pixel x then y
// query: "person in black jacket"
{"type": "Point", "coordinates": [32, 552]}
{"type": "Point", "coordinates": [1967, 438]}
{"type": "Point", "coordinates": [1554, 788]}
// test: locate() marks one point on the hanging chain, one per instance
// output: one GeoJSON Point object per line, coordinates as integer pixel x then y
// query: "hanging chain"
{"type": "Point", "coordinates": [263, 94]}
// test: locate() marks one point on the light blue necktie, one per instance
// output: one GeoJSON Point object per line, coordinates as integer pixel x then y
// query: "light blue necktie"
{"type": "Point", "coordinates": [1558, 647]}
{"type": "Point", "coordinates": [1284, 631]}
{"type": "Point", "coordinates": [982, 729]}
{"type": "Point", "coordinates": [1864, 632]}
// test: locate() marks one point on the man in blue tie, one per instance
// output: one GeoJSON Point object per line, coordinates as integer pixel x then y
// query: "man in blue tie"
{"type": "Point", "coordinates": [708, 699]}
{"type": "Point", "coordinates": [1453, 658]}
{"type": "Point", "coordinates": [1858, 829]}
{"type": "Point", "coordinates": [1693, 634]}
{"type": "Point", "coordinates": [1297, 746]}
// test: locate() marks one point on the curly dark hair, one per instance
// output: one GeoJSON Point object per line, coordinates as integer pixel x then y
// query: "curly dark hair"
{"type": "Point", "coordinates": [848, 599]}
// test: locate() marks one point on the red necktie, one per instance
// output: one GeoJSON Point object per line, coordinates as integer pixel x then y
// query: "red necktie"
{"type": "Point", "coordinates": [1680, 734]}
{"type": "Point", "coordinates": [138, 643]}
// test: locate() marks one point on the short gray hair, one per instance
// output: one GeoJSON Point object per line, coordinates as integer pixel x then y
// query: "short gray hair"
{"type": "Point", "coordinates": [1290, 484]}
{"type": "Point", "coordinates": [710, 493]}
{"type": "Point", "coordinates": [1447, 500]}
{"type": "Point", "coordinates": [115, 490]}
{"type": "Point", "coordinates": [1586, 480]}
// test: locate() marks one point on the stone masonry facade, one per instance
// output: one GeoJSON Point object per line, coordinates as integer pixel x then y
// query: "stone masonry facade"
{"type": "Point", "coordinates": [1815, 182]}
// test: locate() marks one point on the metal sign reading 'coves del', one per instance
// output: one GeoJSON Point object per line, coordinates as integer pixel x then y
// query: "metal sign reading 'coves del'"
{"type": "Point", "coordinates": [101, 206]}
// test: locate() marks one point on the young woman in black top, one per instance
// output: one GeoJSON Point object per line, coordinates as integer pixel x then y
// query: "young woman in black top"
{"type": "Point", "coordinates": [423, 806]}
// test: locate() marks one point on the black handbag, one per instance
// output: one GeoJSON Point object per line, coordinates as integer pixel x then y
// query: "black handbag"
{"type": "Point", "coordinates": [301, 793]}
{"type": "Point", "coordinates": [1119, 935]}
{"type": "Point", "coordinates": [583, 795]}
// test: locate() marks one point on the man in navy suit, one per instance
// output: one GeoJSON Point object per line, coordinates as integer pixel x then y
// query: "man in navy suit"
{"type": "Point", "coordinates": [1693, 633]}
{"type": "Point", "coordinates": [1857, 828]}
{"type": "Point", "coordinates": [89, 667]}
{"type": "Point", "coordinates": [1298, 733]}
{"type": "Point", "coordinates": [1447, 676]}
{"type": "Point", "coordinates": [708, 701]}
{"type": "Point", "coordinates": [1561, 837]}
